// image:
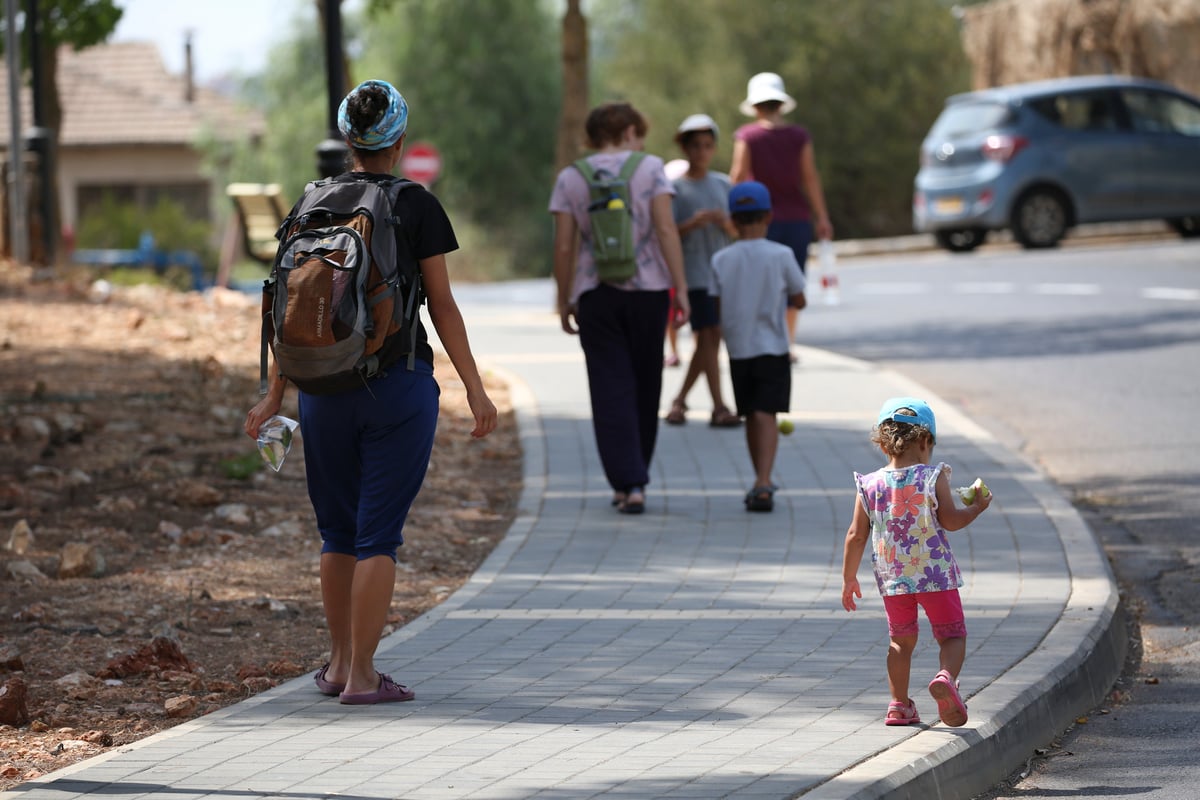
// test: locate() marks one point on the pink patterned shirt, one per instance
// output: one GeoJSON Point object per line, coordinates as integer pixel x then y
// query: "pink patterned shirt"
{"type": "Point", "coordinates": [909, 549]}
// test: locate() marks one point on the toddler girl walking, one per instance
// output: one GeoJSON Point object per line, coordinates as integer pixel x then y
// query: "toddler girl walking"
{"type": "Point", "coordinates": [905, 509]}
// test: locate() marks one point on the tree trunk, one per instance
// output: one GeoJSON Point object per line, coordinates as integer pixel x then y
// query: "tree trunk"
{"type": "Point", "coordinates": [51, 108]}
{"type": "Point", "coordinates": [574, 85]}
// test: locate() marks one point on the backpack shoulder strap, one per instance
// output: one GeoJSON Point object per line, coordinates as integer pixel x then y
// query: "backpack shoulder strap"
{"type": "Point", "coordinates": [585, 168]}
{"type": "Point", "coordinates": [620, 182]}
{"type": "Point", "coordinates": [412, 291]}
{"type": "Point", "coordinates": [630, 166]}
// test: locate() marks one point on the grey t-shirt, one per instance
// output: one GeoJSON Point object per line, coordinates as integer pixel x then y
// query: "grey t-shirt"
{"type": "Point", "coordinates": [711, 191]}
{"type": "Point", "coordinates": [754, 279]}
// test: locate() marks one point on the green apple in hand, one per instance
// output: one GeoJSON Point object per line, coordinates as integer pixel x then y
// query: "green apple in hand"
{"type": "Point", "coordinates": [969, 493]}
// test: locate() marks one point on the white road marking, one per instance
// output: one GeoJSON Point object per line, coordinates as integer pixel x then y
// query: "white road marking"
{"type": "Point", "coordinates": [1008, 287]}
{"type": "Point", "coordinates": [1167, 293]}
{"type": "Point", "coordinates": [1076, 289]}
{"type": "Point", "coordinates": [893, 288]}
{"type": "Point", "coordinates": [995, 287]}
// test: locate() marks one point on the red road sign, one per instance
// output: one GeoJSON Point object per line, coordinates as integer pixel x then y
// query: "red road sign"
{"type": "Point", "coordinates": [421, 162]}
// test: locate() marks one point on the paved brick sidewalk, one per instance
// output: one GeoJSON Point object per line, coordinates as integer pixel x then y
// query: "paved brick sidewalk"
{"type": "Point", "coordinates": [696, 651]}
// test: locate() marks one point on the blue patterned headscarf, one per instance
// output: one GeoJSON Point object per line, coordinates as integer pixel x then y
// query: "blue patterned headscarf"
{"type": "Point", "coordinates": [387, 130]}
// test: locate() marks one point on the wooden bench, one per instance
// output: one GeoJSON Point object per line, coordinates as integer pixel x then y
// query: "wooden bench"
{"type": "Point", "coordinates": [260, 211]}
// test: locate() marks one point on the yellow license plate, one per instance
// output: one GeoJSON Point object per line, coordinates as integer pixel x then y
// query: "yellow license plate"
{"type": "Point", "coordinates": [948, 205]}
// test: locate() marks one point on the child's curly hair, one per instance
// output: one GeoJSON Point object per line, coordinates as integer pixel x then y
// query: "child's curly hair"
{"type": "Point", "coordinates": [895, 437]}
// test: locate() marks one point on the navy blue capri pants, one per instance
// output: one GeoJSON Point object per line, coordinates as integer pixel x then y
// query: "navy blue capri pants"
{"type": "Point", "coordinates": [365, 455]}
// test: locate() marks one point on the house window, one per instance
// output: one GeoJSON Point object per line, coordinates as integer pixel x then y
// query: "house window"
{"type": "Point", "coordinates": [193, 197]}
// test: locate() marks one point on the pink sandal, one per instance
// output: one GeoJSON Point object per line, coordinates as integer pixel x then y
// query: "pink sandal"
{"type": "Point", "coordinates": [951, 708]}
{"type": "Point", "coordinates": [901, 714]}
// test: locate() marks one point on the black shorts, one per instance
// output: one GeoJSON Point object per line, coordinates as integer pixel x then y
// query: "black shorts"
{"type": "Point", "coordinates": [704, 309]}
{"type": "Point", "coordinates": [762, 383]}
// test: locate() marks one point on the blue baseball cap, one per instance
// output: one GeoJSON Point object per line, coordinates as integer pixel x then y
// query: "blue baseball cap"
{"type": "Point", "coordinates": [921, 413]}
{"type": "Point", "coordinates": [749, 196]}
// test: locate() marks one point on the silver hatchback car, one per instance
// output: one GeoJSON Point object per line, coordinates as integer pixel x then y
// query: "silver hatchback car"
{"type": "Point", "coordinates": [1041, 157]}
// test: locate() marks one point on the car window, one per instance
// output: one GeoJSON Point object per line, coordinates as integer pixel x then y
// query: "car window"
{"type": "Point", "coordinates": [1079, 111]}
{"type": "Point", "coordinates": [1158, 112]}
{"type": "Point", "coordinates": [964, 118]}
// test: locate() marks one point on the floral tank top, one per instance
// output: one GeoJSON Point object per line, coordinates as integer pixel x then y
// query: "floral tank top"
{"type": "Point", "coordinates": [909, 549]}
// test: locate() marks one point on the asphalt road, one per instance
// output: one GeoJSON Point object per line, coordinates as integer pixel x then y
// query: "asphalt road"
{"type": "Point", "coordinates": [1086, 360]}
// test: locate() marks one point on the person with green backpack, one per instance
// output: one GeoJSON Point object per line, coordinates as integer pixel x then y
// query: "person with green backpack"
{"type": "Point", "coordinates": [616, 257]}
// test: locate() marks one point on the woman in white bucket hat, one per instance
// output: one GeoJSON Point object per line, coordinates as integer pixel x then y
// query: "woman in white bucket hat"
{"type": "Point", "coordinates": [780, 156]}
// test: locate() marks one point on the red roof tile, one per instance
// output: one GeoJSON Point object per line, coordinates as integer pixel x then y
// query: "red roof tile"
{"type": "Point", "coordinates": [121, 93]}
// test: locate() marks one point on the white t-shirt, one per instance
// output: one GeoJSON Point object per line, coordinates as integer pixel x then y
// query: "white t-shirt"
{"type": "Point", "coordinates": [754, 279]}
{"type": "Point", "coordinates": [647, 182]}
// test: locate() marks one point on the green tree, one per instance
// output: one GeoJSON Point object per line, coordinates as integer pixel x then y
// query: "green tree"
{"type": "Point", "coordinates": [481, 80]}
{"type": "Point", "coordinates": [290, 94]}
{"type": "Point", "coordinates": [482, 84]}
{"type": "Point", "coordinates": [80, 24]}
{"type": "Point", "coordinates": [869, 78]}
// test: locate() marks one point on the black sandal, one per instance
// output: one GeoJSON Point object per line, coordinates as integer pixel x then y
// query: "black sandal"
{"type": "Point", "coordinates": [760, 498]}
{"type": "Point", "coordinates": [634, 502]}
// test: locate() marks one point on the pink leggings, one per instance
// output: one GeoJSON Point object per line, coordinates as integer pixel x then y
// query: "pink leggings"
{"type": "Point", "coordinates": [944, 610]}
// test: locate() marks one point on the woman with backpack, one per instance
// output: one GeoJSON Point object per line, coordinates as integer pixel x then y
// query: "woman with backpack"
{"type": "Point", "coordinates": [620, 316]}
{"type": "Point", "coordinates": [367, 446]}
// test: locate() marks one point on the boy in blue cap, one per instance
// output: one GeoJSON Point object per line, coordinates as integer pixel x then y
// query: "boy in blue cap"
{"type": "Point", "coordinates": [754, 280]}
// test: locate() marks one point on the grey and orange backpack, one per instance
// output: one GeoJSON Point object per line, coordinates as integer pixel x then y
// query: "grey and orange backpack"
{"type": "Point", "coordinates": [342, 299]}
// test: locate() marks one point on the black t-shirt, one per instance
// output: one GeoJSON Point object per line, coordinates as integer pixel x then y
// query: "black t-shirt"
{"type": "Point", "coordinates": [425, 231]}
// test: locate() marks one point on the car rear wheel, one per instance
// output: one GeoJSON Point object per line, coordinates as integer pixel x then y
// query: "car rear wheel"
{"type": "Point", "coordinates": [1040, 219]}
{"type": "Point", "coordinates": [1188, 227]}
{"type": "Point", "coordinates": [960, 240]}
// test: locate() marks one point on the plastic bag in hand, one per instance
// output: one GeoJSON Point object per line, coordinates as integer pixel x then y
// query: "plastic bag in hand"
{"type": "Point", "coordinates": [275, 440]}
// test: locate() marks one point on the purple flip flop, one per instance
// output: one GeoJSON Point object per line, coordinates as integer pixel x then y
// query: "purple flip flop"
{"type": "Point", "coordinates": [388, 692]}
{"type": "Point", "coordinates": [327, 687]}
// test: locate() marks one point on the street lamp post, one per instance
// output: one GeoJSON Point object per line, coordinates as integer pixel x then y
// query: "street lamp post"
{"type": "Point", "coordinates": [332, 152]}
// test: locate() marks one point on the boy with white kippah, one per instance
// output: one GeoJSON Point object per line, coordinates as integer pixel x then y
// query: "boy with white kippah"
{"type": "Point", "coordinates": [704, 228]}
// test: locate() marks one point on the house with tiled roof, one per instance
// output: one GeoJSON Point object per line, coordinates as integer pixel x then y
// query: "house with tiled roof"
{"type": "Point", "coordinates": [130, 129]}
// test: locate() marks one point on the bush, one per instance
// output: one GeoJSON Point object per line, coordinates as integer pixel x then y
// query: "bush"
{"type": "Point", "coordinates": [117, 225]}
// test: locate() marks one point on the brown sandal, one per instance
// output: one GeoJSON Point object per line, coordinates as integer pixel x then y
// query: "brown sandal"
{"type": "Point", "coordinates": [722, 417]}
{"type": "Point", "coordinates": [678, 413]}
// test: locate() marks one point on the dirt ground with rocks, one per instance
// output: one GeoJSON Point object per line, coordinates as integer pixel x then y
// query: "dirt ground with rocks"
{"type": "Point", "coordinates": [152, 568]}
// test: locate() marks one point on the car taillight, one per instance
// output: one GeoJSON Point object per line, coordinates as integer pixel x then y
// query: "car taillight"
{"type": "Point", "coordinates": [1002, 146]}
